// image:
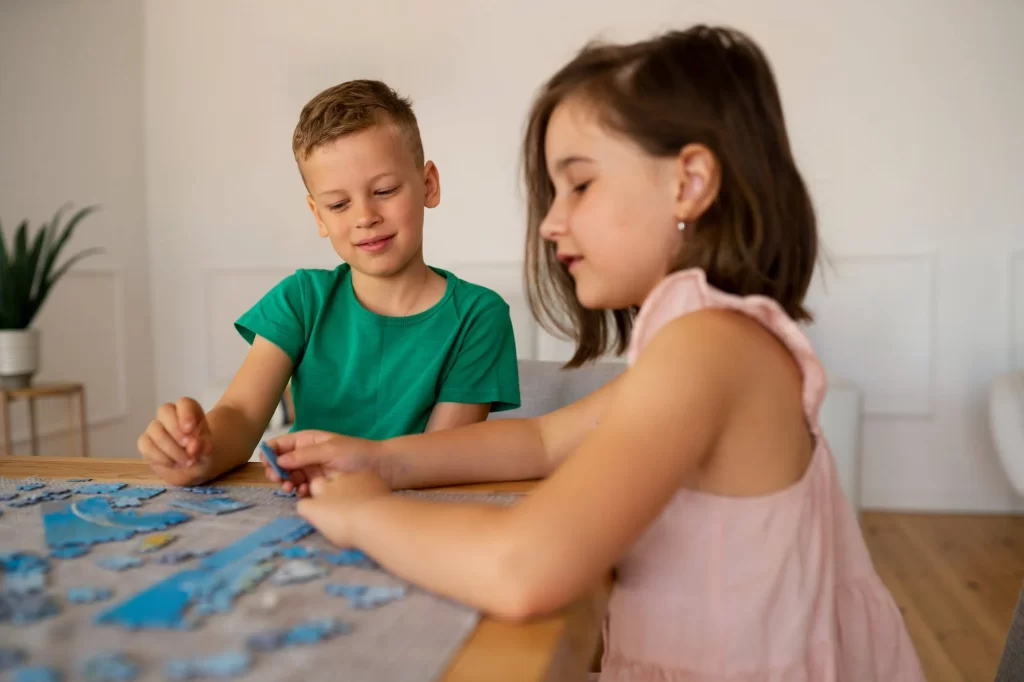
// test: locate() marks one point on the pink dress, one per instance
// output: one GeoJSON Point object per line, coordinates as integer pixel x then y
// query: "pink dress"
{"type": "Point", "coordinates": [777, 588]}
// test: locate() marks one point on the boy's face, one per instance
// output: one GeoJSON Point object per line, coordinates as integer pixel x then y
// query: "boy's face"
{"type": "Point", "coordinates": [368, 196]}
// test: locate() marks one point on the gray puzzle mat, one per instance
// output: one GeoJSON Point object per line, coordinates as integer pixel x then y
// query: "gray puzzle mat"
{"type": "Point", "coordinates": [410, 639]}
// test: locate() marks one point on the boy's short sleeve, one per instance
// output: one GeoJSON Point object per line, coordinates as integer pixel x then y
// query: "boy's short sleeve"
{"type": "Point", "coordinates": [278, 317]}
{"type": "Point", "coordinates": [486, 369]}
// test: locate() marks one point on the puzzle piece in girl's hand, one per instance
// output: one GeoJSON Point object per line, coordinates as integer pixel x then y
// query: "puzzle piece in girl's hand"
{"type": "Point", "coordinates": [94, 520]}
{"type": "Point", "coordinates": [119, 562]}
{"type": "Point", "coordinates": [125, 502]}
{"type": "Point", "coordinates": [350, 557]}
{"type": "Point", "coordinates": [110, 667]}
{"type": "Point", "coordinates": [204, 490]}
{"type": "Point", "coordinates": [24, 609]}
{"type": "Point", "coordinates": [227, 664]}
{"type": "Point", "coordinates": [11, 657]}
{"type": "Point", "coordinates": [36, 674]}
{"type": "Point", "coordinates": [100, 488]}
{"type": "Point", "coordinates": [270, 455]}
{"type": "Point", "coordinates": [70, 552]}
{"type": "Point", "coordinates": [297, 571]}
{"type": "Point", "coordinates": [7, 497]}
{"type": "Point", "coordinates": [306, 632]}
{"type": "Point", "coordinates": [366, 596]}
{"type": "Point", "coordinates": [152, 543]}
{"type": "Point", "coordinates": [25, 487]}
{"type": "Point", "coordinates": [88, 595]}
{"type": "Point", "coordinates": [211, 505]}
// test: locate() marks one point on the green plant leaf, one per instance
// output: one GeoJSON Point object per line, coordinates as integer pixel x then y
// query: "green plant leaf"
{"type": "Point", "coordinates": [55, 248]}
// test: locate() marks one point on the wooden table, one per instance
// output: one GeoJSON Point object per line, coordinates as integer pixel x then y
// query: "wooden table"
{"type": "Point", "coordinates": [552, 649]}
{"type": "Point", "coordinates": [31, 394]}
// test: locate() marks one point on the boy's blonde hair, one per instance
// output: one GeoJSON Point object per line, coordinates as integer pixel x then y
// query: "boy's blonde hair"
{"type": "Point", "coordinates": [352, 107]}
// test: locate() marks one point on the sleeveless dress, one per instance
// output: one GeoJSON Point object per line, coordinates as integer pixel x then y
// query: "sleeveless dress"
{"type": "Point", "coordinates": [775, 588]}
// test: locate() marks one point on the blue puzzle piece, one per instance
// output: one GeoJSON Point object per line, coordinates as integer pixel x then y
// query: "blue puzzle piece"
{"type": "Point", "coordinates": [366, 596]}
{"type": "Point", "coordinates": [168, 558]}
{"type": "Point", "coordinates": [125, 502]}
{"type": "Point", "coordinates": [23, 572]}
{"type": "Point", "coordinates": [350, 557]}
{"type": "Point", "coordinates": [36, 498]}
{"type": "Point", "coordinates": [110, 667]}
{"type": "Point", "coordinates": [204, 490]}
{"type": "Point", "coordinates": [36, 674]}
{"type": "Point", "coordinates": [164, 604]}
{"type": "Point", "coordinates": [79, 480]}
{"type": "Point", "coordinates": [270, 455]}
{"type": "Point", "coordinates": [7, 497]}
{"type": "Point", "coordinates": [25, 487]}
{"type": "Point", "coordinates": [211, 505]}
{"type": "Point", "coordinates": [11, 657]}
{"type": "Point", "coordinates": [297, 552]}
{"type": "Point", "coordinates": [299, 533]}
{"type": "Point", "coordinates": [99, 488]}
{"type": "Point", "coordinates": [88, 595]}
{"type": "Point", "coordinates": [306, 632]}
{"type": "Point", "coordinates": [139, 492]}
{"type": "Point", "coordinates": [93, 520]}
{"type": "Point", "coordinates": [24, 583]}
{"type": "Point", "coordinates": [26, 608]}
{"type": "Point", "coordinates": [297, 571]}
{"type": "Point", "coordinates": [281, 493]}
{"type": "Point", "coordinates": [119, 562]}
{"type": "Point", "coordinates": [227, 664]}
{"type": "Point", "coordinates": [70, 552]}
{"type": "Point", "coordinates": [218, 591]}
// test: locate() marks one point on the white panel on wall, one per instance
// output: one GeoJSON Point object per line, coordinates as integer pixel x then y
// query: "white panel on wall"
{"type": "Point", "coordinates": [875, 326]}
{"type": "Point", "coordinates": [83, 340]}
{"type": "Point", "coordinates": [1017, 310]}
{"type": "Point", "coordinates": [230, 292]}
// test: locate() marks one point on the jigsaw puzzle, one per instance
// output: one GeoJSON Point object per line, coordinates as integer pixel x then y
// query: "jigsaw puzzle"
{"type": "Point", "coordinates": [234, 594]}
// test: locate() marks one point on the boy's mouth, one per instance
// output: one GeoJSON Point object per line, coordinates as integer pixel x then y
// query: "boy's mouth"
{"type": "Point", "coordinates": [376, 243]}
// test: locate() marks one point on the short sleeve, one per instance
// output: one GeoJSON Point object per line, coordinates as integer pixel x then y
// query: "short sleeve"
{"type": "Point", "coordinates": [486, 369]}
{"type": "Point", "coordinates": [278, 317]}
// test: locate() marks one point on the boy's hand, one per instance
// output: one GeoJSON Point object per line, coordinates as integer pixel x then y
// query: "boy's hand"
{"type": "Point", "coordinates": [310, 455]}
{"type": "Point", "coordinates": [336, 497]}
{"type": "Point", "coordinates": [179, 438]}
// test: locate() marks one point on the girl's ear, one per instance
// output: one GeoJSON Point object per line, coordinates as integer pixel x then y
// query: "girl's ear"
{"type": "Point", "coordinates": [698, 179]}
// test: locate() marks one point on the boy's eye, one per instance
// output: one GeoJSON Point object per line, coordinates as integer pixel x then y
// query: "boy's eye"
{"type": "Point", "coordinates": [338, 206]}
{"type": "Point", "coordinates": [387, 192]}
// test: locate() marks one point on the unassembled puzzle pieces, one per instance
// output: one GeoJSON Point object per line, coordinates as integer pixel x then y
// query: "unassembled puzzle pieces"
{"type": "Point", "coordinates": [88, 595]}
{"type": "Point", "coordinates": [349, 557]}
{"type": "Point", "coordinates": [298, 552]}
{"type": "Point", "coordinates": [23, 572]}
{"type": "Point", "coordinates": [100, 488]}
{"type": "Point", "coordinates": [93, 520]}
{"type": "Point", "coordinates": [169, 558]}
{"type": "Point", "coordinates": [211, 505]}
{"type": "Point", "coordinates": [139, 492]}
{"type": "Point", "coordinates": [227, 664]}
{"type": "Point", "coordinates": [79, 480]}
{"type": "Point", "coordinates": [270, 455]}
{"type": "Point", "coordinates": [11, 657]}
{"type": "Point", "coordinates": [36, 498]}
{"type": "Point", "coordinates": [366, 596]}
{"type": "Point", "coordinates": [110, 667]}
{"type": "Point", "coordinates": [69, 551]}
{"type": "Point", "coordinates": [152, 543]}
{"type": "Point", "coordinates": [306, 632]}
{"type": "Point", "coordinates": [204, 490]}
{"type": "Point", "coordinates": [36, 674]}
{"type": "Point", "coordinates": [25, 487]}
{"type": "Point", "coordinates": [119, 562]}
{"type": "Point", "coordinates": [297, 571]}
{"type": "Point", "coordinates": [26, 608]}
{"type": "Point", "coordinates": [125, 502]}
{"type": "Point", "coordinates": [7, 497]}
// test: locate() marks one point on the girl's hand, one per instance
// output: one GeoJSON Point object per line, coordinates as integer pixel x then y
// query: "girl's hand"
{"type": "Point", "coordinates": [309, 455]}
{"type": "Point", "coordinates": [336, 499]}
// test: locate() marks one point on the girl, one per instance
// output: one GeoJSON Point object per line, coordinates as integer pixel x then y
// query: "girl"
{"type": "Point", "coordinates": [665, 212]}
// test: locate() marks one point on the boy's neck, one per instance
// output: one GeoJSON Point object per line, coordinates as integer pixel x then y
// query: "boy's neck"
{"type": "Point", "coordinates": [413, 290]}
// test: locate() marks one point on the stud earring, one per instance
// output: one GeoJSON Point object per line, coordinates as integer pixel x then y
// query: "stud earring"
{"type": "Point", "coordinates": [681, 225]}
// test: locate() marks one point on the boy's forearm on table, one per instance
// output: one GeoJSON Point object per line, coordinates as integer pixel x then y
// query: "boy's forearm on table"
{"type": "Point", "coordinates": [234, 439]}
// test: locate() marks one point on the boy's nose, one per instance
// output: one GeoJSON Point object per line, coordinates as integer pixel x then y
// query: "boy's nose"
{"type": "Point", "coordinates": [367, 217]}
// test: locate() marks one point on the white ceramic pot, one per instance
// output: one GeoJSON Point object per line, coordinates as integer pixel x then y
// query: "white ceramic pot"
{"type": "Point", "coordinates": [19, 357]}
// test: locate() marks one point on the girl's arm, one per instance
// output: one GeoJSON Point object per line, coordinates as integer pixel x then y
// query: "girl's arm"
{"type": "Point", "coordinates": [662, 421]}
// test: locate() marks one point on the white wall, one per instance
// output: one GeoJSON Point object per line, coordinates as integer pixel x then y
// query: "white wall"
{"type": "Point", "coordinates": [71, 130]}
{"type": "Point", "coordinates": [905, 118]}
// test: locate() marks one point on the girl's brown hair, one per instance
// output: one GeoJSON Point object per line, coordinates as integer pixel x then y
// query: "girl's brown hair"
{"type": "Point", "coordinates": [709, 86]}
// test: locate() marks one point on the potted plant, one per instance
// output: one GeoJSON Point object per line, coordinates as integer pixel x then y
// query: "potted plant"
{"type": "Point", "coordinates": [28, 272]}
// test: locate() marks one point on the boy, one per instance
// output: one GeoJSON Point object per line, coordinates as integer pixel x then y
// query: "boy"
{"type": "Point", "coordinates": [381, 346]}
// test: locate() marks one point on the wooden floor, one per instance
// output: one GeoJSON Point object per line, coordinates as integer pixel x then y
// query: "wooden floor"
{"type": "Point", "coordinates": [956, 579]}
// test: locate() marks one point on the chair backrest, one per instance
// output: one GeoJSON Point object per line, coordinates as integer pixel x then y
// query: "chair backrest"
{"type": "Point", "coordinates": [545, 387]}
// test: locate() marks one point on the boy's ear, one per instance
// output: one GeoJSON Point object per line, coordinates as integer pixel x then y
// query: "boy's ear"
{"type": "Point", "coordinates": [321, 228]}
{"type": "Point", "coordinates": [698, 180]}
{"type": "Point", "coordinates": [431, 185]}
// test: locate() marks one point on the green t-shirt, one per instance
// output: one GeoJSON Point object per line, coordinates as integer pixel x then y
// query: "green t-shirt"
{"type": "Point", "coordinates": [367, 375]}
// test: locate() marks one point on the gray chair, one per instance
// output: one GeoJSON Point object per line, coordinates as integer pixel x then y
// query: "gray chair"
{"type": "Point", "coordinates": [545, 387]}
{"type": "Point", "coordinates": [1011, 665]}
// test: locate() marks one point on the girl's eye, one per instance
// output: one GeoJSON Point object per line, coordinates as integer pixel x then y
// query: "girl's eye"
{"type": "Point", "coordinates": [581, 188]}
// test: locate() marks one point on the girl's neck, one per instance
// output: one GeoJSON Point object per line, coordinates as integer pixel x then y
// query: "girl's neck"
{"type": "Point", "coordinates": [413, 290]}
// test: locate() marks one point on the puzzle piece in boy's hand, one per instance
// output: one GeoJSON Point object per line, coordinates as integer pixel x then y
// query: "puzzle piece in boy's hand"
{"type": "Point", "coordinates": [204, 490]}
{"type": "Point", "coordinates": [306, 632]}
{"type": "Point", "coordinates": [119, 562]}
{"type": "Point", "coordinates": [70, 552]}
{"type": "Point", "coordinates": [211, 505]}
{"type": "Point", "coordinates": [110, 667]}
{"type": "Point", "coordinates": [23, 609]}
{"type": "Point", "coordinates": [100, 488]}
{"type": "Point", "coordinates": [350, 557]}
{"type": "Point", "coordinates": [11, 657]}
{"type": "Point", "coordinates": [270, 455]}
{"type": "Point", "coordinates": [36, 674]}
{"type": "Point", "coordinates": [366, 596]}
{"type": "Point", "coordinates": [88, 595]}
{"type": "Point", "coordinates": [94, 520]}
{"type": "Point", "coordinates": [152, 543]}
{"type": "Point", "coordinates": [25, 487]}
{"type": "Point", "coordinates": [297, 571]}
{"type": "Point", "coordinates": [7, 497]}
{"type": "Point", "coordinates": [227, 664]}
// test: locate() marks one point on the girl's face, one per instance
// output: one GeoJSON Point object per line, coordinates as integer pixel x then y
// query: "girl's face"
{"type": "Point", "coordinates": [613, 217]}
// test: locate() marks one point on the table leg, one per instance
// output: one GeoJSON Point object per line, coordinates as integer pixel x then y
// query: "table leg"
{"type": "Point", "coordinates": [83, 425]}
{"type": "Point", "coordinates": [5, 423]}
{"type": "Point", "coordinates": [33, 434]}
